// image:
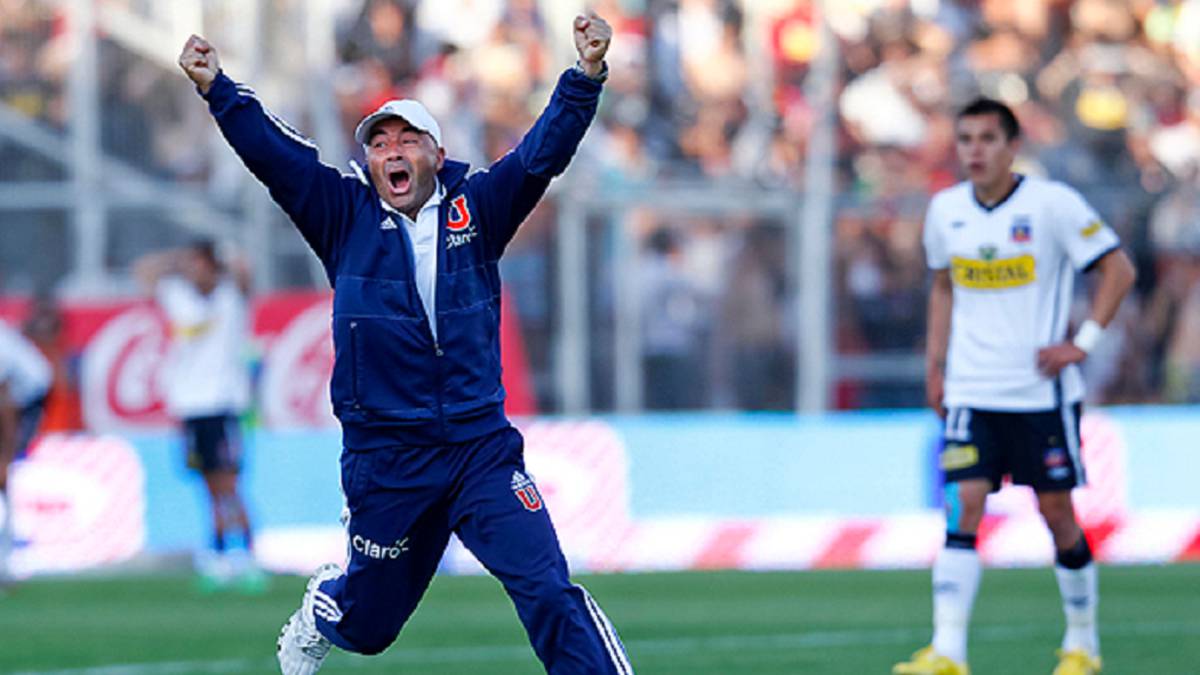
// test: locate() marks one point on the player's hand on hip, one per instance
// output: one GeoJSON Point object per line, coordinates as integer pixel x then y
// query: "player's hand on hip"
{"type": "Point", "coordinates": [592, 37]}
{"type": "Point", "coordinates": [199, 61]}
{"type": "Point", "coordinates": [1051, 360]}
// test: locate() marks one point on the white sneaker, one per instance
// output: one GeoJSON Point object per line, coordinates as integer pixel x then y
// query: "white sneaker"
{"type": "Point", "coordinates": [301, 648]}
{"type": "Point", "coordinates": [213, 569]}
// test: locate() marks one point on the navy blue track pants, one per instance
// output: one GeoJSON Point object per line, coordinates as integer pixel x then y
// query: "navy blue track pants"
{"type": "Point", "coordinates": [406, 501]}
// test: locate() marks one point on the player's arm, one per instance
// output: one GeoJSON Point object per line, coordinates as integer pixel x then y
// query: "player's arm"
{"type": "Point", "coordinates": [9, 418]}
{"type": "Point", "coordinates": [512, 186]}
{"type": "Point", "coordinates": [152, 267]}
{"type": "Point", "coordinates": [939, 308]}
{"type": "Point", "coordinates": [1116, 278]}
{"type": "Point", "coordinates": [243, 277]}
{"type": "Point", "coordinates": [1091, 246]}
{"type": "Point", "coordinates": [937, 338]}
{"type": "Point", "coordinates": [316, 196]}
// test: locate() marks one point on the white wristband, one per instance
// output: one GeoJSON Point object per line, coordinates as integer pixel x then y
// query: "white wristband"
{"type": "Point", "coordinates": [1088, 336]}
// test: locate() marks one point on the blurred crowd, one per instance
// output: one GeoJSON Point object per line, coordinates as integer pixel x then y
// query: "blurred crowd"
{"type": "Point", "coordinates": [143, 106]}
{"type": "Point", "coordinates": [716, 95]}
{"type": "Point", "coordinates": [1108, 93]}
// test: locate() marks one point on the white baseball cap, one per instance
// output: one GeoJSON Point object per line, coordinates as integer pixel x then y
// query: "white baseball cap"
{"type": "Point", "coordinates": [411, 111]}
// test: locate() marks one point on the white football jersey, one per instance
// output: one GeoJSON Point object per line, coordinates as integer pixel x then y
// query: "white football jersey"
{"type": "Point", "coordinates": [1013, 269]}
{"type": "Point", "coordinates": [205, 373]}
{"type": "Point", "coordinates": [22, 368]}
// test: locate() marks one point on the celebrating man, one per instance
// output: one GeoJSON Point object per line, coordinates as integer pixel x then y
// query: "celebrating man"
{"type": "Point", "coordinates": [411, 249]}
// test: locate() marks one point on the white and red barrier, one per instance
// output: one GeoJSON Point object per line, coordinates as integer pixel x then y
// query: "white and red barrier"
{"type": "Point", "coordinates": [798, 543]}
{"type": "Point", "coordinates": [889, 542]}
{"type": "Point", "coordinates": [582, 472]}
{"type": "Point", "coordinates": [78, 502]}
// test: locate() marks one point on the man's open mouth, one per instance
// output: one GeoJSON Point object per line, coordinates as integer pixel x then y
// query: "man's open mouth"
{"type": "Point", "coordinates": [399, 180]}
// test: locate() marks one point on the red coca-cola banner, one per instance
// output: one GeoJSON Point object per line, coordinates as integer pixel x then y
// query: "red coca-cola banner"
{"type": "Point", "coordinates": [119, 347]}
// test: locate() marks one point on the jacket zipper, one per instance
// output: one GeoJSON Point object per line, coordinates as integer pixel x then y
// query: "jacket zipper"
{"type": "Point", "coordinates": [439, 250]}
{"type": "Point", "coordinates": [354, 363]}
{"type": "Point", "coordinates": [437, 364]}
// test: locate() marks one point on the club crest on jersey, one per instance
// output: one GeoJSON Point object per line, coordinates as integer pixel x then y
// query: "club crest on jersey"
{"type": "Point", "coordinates": [1022, 231]}
{"type": "Point", "coordinates": [460, 229]}
{"type": "Point", "coordinates": [526, 492]}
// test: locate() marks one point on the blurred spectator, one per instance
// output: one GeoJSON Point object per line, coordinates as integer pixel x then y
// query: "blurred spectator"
{"type": "Point", "coordinates": [24, 381]}
{"type": "Point", "coordinates": [673, 327]}
{"type": "Point", "coordinates": [385, 33]}
{"type": "Point", "coordinates": [25, 83]}
{"type": "Point", "coordinates": [752, 335]}
{"type": "Point", "coordinates": [444, 18]}
{"type": "Point", "coordinates": [45, 329]}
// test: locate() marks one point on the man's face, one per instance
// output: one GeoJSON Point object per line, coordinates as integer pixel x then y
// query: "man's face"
{"type": "Point", "coordinates": [200, 270]}
{"type": "Point", "coordinates": [985, 153]}
{"type": "Point", "coordinates": [404, 162]}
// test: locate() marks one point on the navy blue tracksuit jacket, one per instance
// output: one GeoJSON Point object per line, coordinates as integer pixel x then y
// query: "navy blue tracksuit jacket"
{"type": "Point", "coordinates": [428, 448]}
{"type": "Point", "coordinates": [391, 383]}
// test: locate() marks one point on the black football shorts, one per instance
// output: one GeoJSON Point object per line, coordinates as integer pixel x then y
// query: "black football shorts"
{"type": "Point", "coordinates": [213, 443]}
{"type": "Point", "coordinates": [1039, 449]}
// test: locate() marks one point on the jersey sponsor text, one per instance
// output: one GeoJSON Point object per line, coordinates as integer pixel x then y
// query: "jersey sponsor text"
{"type": "Point", "coordinates": [993, 274]}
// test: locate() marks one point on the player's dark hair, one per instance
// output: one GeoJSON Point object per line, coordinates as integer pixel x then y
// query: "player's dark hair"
{"type": "Point", "coordinates": [207, 249]}
{"type": "Point", "coordinates": [990, 106]}
{"type": "Point", "coordinates": [662, 241]}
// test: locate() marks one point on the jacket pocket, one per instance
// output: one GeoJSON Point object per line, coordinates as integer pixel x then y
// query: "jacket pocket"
{"type": "Point", "coordinates": [343, 385]}
{"type": "Point", "coordinates": [472, 365]}
{"type": "Point", "coordinates": [354, 364]}
{"type": "Point", "coordinates": [393, 369]}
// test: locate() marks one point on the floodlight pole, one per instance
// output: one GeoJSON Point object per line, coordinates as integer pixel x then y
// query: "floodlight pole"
{"type": "Point", "coordinates": [628, 350]}
{"type": "Point", "coordinates": [813, 247]}
{"type": "Point", "coordinates": [572, 364]}
{"type": "Point", "coordinates": [88, 206]}
{"type": "Point", "coordinates": [321, 52]}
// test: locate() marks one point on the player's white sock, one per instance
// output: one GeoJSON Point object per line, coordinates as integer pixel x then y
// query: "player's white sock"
{"type": "Point", "coordinates": [1080, 595]}
{"type": "Point", "coordinates": [1079, 586]}
{"type": "Point", "coordinates": [956, 575]}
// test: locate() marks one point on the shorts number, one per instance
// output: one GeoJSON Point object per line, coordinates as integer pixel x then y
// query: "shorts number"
{"type": "Point", "coordinates": [958, 425]}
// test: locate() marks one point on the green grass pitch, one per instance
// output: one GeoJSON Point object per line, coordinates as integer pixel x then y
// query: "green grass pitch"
{"type": "Point", "coordinates": [720, 623]}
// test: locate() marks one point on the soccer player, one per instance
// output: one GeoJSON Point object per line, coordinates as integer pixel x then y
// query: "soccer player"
{"type": "Point", "coordinates": [207, 387]}
{"type": "Point", "coordinates": [411, 248]}
{"type": "Point", "coordinates": [25, 377]}
{"type": "Point", "coordinates": [1004, 249]}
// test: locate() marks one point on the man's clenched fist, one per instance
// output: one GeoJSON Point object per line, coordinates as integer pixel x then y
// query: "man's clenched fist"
{"type": "Point", "coordinates": [592, 35]}
{"type": "Point", "coordinates": [199, 60]}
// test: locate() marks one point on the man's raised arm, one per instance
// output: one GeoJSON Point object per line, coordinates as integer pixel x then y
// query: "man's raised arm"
{"type": "Point", "coordinates": [317, 197]}
{"type": "Point", "coordinates": [512, 186]}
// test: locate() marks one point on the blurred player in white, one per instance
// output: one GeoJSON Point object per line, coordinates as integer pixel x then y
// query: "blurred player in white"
{"type": "Point", "coordinates": [207, 387]}
{"type": "Point", "coordinates": [1004, 249]}
{"type": "Point", "coordinates": [24, 382]}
